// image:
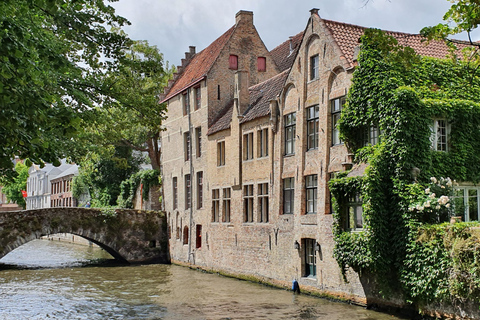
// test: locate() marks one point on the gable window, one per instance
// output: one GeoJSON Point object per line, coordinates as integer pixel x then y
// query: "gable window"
{"type": "Point", "coordinates": [227, 194]}
{"type": "Point", "coordinates": [311, 190]}
{"type": "Point", "coordinates": [288, 195]}
{"type": "Point", "coordinates": [215, 205]}
{"type": "Point", "coordinates": [336, 110]}
{"type": "Point", "coordinates": [186, 145]}
{"type": "Point", "coordinates": [186, 104]}
{"type": "Point", "coordinates": [188, 191]}
{"type": "Point", "coordinates": [312, 128]}
{"type": "Point", "coordinates": [233, 62]}
{"type": "Point", "coordinates": [198, 98]}
{"type": "Point", "coordinates": [220, 153]}
{"type": "Point", "coordinates": [290, 122]}
{"type": "Point", "coordinates": [248, 146]}
{"type": "Point", "coordinates": [354, 221]}
{"type": "Point", "coordinates": [175, 193]}
{"type": "Point", "coordinates": [199, 189]}
{"type": "Point", "coordinates": [248, 203]}
{"type": "Point", "coordinates": [439, 135]}
{"type": "Point", "coordinates": [198, 141]}
{"type": "Point", "coordinates": [314, 67]}
{"type": "Point", "coordinates": [263, 202]}
{"type": "Point", "coordinates": [262, 136]}
{"type": "Point", "coordinates": [262, 64]}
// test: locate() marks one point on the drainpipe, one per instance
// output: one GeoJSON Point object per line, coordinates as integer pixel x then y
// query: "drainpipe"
{"type": "Point", "coordinates": [190, 227]}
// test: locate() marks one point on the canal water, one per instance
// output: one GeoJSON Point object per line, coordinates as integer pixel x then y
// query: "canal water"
{"type": "Point", "coordinates": [51, 280]}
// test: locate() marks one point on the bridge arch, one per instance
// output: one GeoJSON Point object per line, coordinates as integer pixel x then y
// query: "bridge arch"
{"type": "Point", "coordinates": [133, 236]}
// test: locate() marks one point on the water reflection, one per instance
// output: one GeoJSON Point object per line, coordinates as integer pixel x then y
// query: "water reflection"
{"type": "Point", "coordinates": [143, 292]}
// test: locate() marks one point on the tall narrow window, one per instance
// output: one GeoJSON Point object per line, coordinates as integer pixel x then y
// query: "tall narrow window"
{"type": "Point", "coordinates": [233, 62]}
{"type": "Point", "coordinates": [186, 104]}
{"type": "Point", "coordinates": [248, 146]}
{"type": "Point", "coordinates": [186, 145]}
{"type": "Point", "coordinates": [337, 105]}
{"type": "Point", "coordinates": [218, 92]}
{"type": "Point", "coordinates": [290, 132]}
{"type": "Point", "coordinates": [263, 202]}
{"type": "Point", "coordinates": [248, 203]}
{"type": "Point", "coordinates": [371, 136]}
{"type": "Point", "coordinates": [312, 127]}
{"type": "Point", "coordinates": [314, 67]}
{"type": "Point", "coordinates": [262, 64]}
{"type": "Point", "coordinates": [354, 219]}
{"type": "Point", "coordinates": [311, 189]}
{"type": "Point", "coordinates": [215, 205]}
{"type": "Point", "coordinates": [198, 97]}
{"type": "Point", "coordinates": [188, 191]}
{"type": "Point", "coordinates": [439, 135]}
{"type": "Point", "coordinates": [227, 194]}
{"type": "Point", "coordinates": [198, 141]}
{"type": "Point", "coordinates": [198, 242]}
{"type": "Point", "coordinates": [175, 193]}
{"type": "Point", "coordinates": [199, 189]}
{"type": "Point", "coordinates": [288, 195]}
{"type": "Point", "coordinates": [220, 153]}
{"type": "Point", "coordinates": [262, 136]}
{"type": "Point", "coordinates": [310, 258]}
{"type": "Point", "coordinates": [185, 235]}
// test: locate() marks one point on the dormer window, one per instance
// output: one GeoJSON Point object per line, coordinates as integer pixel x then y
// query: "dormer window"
{"type": "Point", "coordinates": [262, 64]}
{"type": "Point", "coordinates": [233, 62]}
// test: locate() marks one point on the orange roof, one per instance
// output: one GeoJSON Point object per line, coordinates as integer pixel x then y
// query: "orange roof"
{"type": "Point", "coordinates": [199, 65]}
{"type": "Point", "coordinates": [347, 37]}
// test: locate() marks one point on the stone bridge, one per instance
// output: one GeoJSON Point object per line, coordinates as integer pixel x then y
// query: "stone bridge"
{"type": "Point", "coordinates": [132, 236]}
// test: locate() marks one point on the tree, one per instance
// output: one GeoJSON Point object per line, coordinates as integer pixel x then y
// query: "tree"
{"type": "Point", "coordinates": [52, 55]}
{"type": "Point", "coordinates": [131, 114]}
{"type": "Point", "coordinates": [13, 188]}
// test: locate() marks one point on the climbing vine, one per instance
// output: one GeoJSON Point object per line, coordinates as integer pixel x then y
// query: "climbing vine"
{"type": "Point", "coordinates": [403, 239]}
{"type": "Point", "coordinates": [128, 187]}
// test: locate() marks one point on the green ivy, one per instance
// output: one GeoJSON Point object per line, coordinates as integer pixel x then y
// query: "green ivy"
{"type": "Point", "coordinates": [128, 187]}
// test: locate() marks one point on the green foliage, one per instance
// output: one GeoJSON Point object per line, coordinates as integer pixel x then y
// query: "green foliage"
{"type": "Point", "coordinates": [128, 187]}
{"type": "Point", "coordinates": [401, 93]}
{"type": "Point", "coordinates": [13, 188]}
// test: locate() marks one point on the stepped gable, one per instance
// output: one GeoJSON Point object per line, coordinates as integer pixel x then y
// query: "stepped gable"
{"type": "Point", "coordinates": [223, 120]}
{"type": "Point", "coordinates": [284, 54]}
{"type": "Point", "coordinates": [347, 37]}
{"type": "Point", "coordinates": [199, 66]}
{"type": "Point", "coordinates": [261, 95]}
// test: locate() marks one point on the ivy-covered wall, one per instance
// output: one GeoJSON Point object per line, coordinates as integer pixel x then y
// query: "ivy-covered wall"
{"type": "Point", "coordinates": [407, 239]}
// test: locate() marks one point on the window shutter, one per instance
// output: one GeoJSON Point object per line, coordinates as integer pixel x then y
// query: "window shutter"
{"type": "Point", "coordinates": [233, 62]}
{"type": "Point", "coordinates": [262, 64]}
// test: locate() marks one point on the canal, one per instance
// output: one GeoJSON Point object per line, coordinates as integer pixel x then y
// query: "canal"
{"type": "Point", "coordinates": [52, 280]}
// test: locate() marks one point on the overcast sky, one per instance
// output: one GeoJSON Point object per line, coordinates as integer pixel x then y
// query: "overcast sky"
{"type": "Point", "coordinates": [175, 25]}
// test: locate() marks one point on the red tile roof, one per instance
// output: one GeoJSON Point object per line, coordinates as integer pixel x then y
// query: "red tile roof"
{"type": "Point", "coordinates": [283, 56]}
{"type": "Point", "coordinates": [199, 65]}
{"type": "Point", "coordinates": [347, 37]}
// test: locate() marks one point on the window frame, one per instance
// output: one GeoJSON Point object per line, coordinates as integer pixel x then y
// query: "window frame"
{"type": "Point", "coordinates": [221, 153]}
{"type": "Point", "coordinates": [288, 195]}
{"type": "Point", "coordinates": [290, 122]}
{"type": "Point", "coordinates": [226, 204]}
{"type": "Point", "coordinates": [188, 191]}
{"type": "Point", "coordinates": [435, 136]}
{"type": "Point", "coordinates": [198, 142]}
{"type": "Point", "coordinates": [175, 192]}
{"type": "Point", "coordinates": [248, 146]}
{"type": "Point", "coordinates": [199, 189]}
{"type": "Point", "coordinates": [216, 205]}
{"type": "Point", "coordinates": [198, 97]}
{"type": "Point", "coordinates": [262, 143]}
{"type": "Point", "coordinates": [186, 146]}
{"type": "Point", "coordinates": [186, 103]}
{"type": "Point", "coordinates": [312, 120]}
{"type": "Point", "coordinates": [314, 67]}
{"type": "Point", "coordinates": [354, 210]}
{"type": "Point", "coordinates": [248, 203]}
{"type": "Point", "coordinates": [311, 190]}
{"type": "Point", "coordinates": [263, 202]}
{"type": "Point", "coordinates": [335, 114]}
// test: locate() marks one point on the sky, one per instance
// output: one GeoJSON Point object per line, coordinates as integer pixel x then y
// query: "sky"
{"type": "Point", "coordinates": [175, 25]}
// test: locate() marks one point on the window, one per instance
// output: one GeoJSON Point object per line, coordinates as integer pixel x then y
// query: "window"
{"type": "Point", "coordinates": [218, 92]}
{"type": "Point", "coordinates": [199, 189]}
{"type": "Point", "coordinates": [311, 188]}
{"type": "Point", "coordinates": [186, 145]}
{"type": "Point", "coordinates": [198, 97]}
{"type": "Point", "coordinates": [371, 136]}
{"type": "Point", "coordinates": [262, 136]}
{"type": "Point", "coordinates": [227, 194]}
{"type": "Point", "coordinates": [248, 146]}
{"type": "Point", "coordinates": [312, 128]}
{"type": "Point", "coordinates": [248, 203]}
{"type": "Point", "coordinates": [466, 203]}
{"type": "Point", "coordinates": [314, 67]}
{"type": "Point", "coordinates": [188, 191]}
{"type": "Point", "coordinates": [288, 195]}
{"type": "Point", "coordinates": [354, 221]}
{"type": "Point", "coordinates": [233, 62]}
{"type": "Point", "coordinates": [439, 135]}
{"type": "Point", "coordinates": [337, 105]}
{"type": "Point", "coordinates": [175, 193]}
{"type": "Point", "coordinates": [198, 242]}
{"type": "Point", "coordinates": [263, 202]}
{"type": "Point", "coordinates": [290, 121]}
{"type": "Point", "coordinates": [262, 64]}
{"type": "Point", "coordinates": [220, 153]}
{"type": "Point", "coordinates": [310, 258]}
{"type": "Point", "coordinates": [185, 235]}
{"type": "Point", "coordinates": [186, 104]}
{"type": "Point", "coordinates": [216, 205]}
{"type": "Point", "coordinates": [198, 141]}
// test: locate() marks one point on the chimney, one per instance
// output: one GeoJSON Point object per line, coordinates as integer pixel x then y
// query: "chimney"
{"type": "Point", "coordinates": [241, 91]}
{"type": "Point", "coordinates": [192, 50]}
{"type": "Point", "coordinates": [314, 11]}
{"type": "Point", "coordinates": [291, 44]}
{"type": "Point", "coordinates": [245, 16]}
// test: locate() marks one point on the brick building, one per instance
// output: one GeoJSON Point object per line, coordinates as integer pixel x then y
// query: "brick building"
{"type": "Point", "coordinates": [249, 146]}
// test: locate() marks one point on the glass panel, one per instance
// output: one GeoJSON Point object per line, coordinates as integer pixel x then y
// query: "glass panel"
{"type": "Point", "coordinates": [459, 204]}
{"type": "Point", "coordinates": [473, 204]}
